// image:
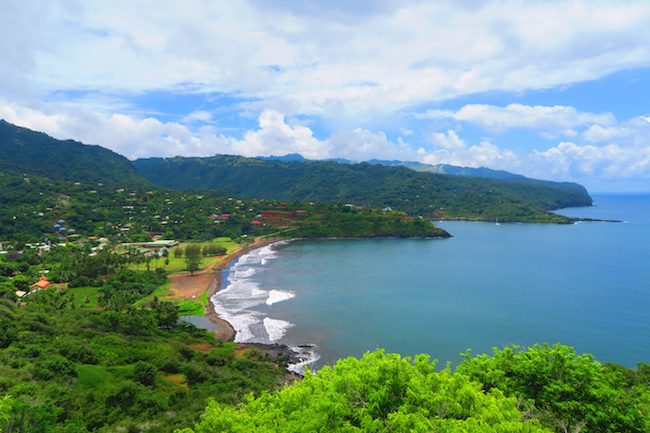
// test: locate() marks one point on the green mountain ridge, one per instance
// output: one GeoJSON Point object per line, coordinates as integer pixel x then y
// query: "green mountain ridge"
{"type": "Point", "coordinates": [24, 151]}
{"type": "Point", "coordinates": [454, 170]}
{"type": "Point", "coordinates": [379, 184]}
{"type": "Point", "coordinates": [375, 185]}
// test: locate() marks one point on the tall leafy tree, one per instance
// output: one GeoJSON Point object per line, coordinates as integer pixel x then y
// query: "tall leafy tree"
{"type": "Point", "coordinates": [193, 258]}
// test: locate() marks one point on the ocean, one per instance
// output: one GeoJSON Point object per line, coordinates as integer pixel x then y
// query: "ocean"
{"type": "Point", "coordinates": [586, 285]}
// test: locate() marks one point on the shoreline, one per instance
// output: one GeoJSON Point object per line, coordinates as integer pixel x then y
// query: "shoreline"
{"type": "Point", "coordinates": [226, 332]}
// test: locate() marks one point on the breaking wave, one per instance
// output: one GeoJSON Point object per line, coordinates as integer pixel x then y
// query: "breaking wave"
{"type": "Point", "coordinates": [245, 305]}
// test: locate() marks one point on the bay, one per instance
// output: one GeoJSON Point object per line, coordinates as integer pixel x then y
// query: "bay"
{"type": "Point", "coordinates": [586, 285]}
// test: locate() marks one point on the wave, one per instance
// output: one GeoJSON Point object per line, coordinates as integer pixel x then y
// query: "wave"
{"type": "Point", "coordinates": [306, 355]}
{"type": "Point", "coordinates": [276, 328]}
{"type": "Point", "coordinates": [276, 296]}
{"type": "Point", "coordinates": [245, 305]}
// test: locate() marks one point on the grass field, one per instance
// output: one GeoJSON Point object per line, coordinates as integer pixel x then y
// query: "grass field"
{"type": "Point", "coordinates": [177, 264]}
{"type": "Point", "coordinates": [191, 308]}
{"type": "Point", "coordinates": [84, 296]}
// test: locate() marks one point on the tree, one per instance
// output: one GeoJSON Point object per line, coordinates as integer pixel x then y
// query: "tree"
{"type": "Point", "coordinates": [166, 312]}
{"type": "Point", "coordinates": [144, 373]}
{"type": "Point", "coordinates": [193, 258]}
{"type": "Point", "coordinates": [377, 393]}
{"type": "Point", "coordinates": [178, 252]}
{"type": "Point", "coordinates": [566, 391]}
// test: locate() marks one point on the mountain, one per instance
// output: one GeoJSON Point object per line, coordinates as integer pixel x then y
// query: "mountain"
{"type": "Point", "coordinates": [416, 192]}
{"type": "Point", "coordinates": [454, 170]}
{"type": "Point", "coordinates": [25, 151]}
{"type": "Point", "coordinates": [484, 172]}
{"type": "Point", "coordinates": [289, 157]}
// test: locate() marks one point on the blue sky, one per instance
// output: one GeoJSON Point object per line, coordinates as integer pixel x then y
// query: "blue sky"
{"type": "Point", "coordinates": [555, 90]}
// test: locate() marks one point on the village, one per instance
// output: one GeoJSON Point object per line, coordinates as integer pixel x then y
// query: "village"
{"type": "Point", "coordinates": [155, 227]}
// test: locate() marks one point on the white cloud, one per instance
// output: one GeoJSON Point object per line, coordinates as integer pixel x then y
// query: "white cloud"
{"type": "Point", "coordinates": [449, 148]}
{"type": "Point", "coordinates": [197, 116]}
{"type": "Point", "coordinates": [276, 137]}
{"type": "Point", "coordinates": [354, 59]}
{"type": "Point", "coordinates": [621, 151]}
{"type": "Point", "coordinates": [569, 159]}
{"type": "Point", "coordinates": [557, 119]}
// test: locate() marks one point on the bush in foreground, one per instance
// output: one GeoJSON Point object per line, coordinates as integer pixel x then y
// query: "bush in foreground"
{"type": "Point", "coordinates": [377, 393]}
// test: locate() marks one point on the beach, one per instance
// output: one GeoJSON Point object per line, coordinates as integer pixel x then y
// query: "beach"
{"type": "Point", "coordinates": [226, 331]}
{"type": "Point", "coordinates": [211, 281]}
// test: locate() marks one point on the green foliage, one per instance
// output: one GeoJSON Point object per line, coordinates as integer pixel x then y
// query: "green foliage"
{"type": "Point", "coordinates": [144, 374]}
{"type": "Point", "coordinates": [29, 210]}
{"type": "Point", "coordinates": [79, 268]}
{"type": "Point", "coordinates": [418, 193]}
{"type": "Point", "coordinates": [190, 308]}
{"type": "Point", "coordinates": [6, 404]}
{"type": "Point", "coordinates": [355, 222]}
{"type": "Point", "coordinates": [213, 250]}
{"type": "Point", "coordinates": [166, 313]}
{"type": "Point", "coordinates": [26, 151]}
{"type": "Point", "coordinates": [378, 393]}
{"type": "Point", "coordinates": [566, 391]}
{"type": "Point", "coordinates": [193, 258]}
{"type": "Point", "coordinates": [126, 286]}
{"type": "Point", "coordinates": [87, 370]}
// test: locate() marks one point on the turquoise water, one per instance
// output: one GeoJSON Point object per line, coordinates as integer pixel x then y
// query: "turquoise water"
{"type": "Point", "coordinates": [585, 285]}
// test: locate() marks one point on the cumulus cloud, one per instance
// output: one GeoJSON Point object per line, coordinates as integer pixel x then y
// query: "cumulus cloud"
{"type": "Point", "coordinates": [449, 148]}
{"type": "Point", "coordinates": [558, 118]}
{"type": "Point", "coordinates": [619, 151]}
{"type": "Point", "coordinates": [569, 159]}
{"type": "Point", "coordinates": [276, 137]}
{"type": "Point", "coordinates": [347, 59]}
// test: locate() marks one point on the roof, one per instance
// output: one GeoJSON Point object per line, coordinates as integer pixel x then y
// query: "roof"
{"type": "Point", "coordinates": [160, 243]}
{"type": "Point", "coordinates": [42, 283]}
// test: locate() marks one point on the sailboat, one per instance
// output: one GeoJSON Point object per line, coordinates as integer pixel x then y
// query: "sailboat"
{"type": "Point", "coordinates": [497, 222]}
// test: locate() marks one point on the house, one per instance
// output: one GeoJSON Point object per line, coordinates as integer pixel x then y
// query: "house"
{"type": "Point", "coordinates": [256, 222]}
{"type": "Point", "coordinates": [40, 284]}
{"type": "Point", "coordinates": [160, 243]}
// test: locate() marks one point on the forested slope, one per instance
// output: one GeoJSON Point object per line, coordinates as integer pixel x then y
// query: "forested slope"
{"type": "Point", "coordinates": [374, 185]}
{"type": "Point", "coordinates": [25, 151]}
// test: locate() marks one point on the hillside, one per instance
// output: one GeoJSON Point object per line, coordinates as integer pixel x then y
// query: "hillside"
{"type": "Point", "coordinates": [30, 208]}
{"type": "Point", "coordinates": [413, 165]}
{"type": "Point", "coordinates": [454, 170]}
{"type": "Point", "coordinates": [26, 151]}
{"type": "Point", "coordinates": [420, 193]}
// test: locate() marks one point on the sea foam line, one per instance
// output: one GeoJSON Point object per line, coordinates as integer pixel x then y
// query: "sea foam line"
{"type": "Point", "coordinates": [235, 304]}
{"type": "Point", "coordinates": [276, 296]}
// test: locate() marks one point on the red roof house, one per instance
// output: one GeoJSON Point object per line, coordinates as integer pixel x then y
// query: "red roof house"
{"type": "Point", "coordinates": [41, 284]}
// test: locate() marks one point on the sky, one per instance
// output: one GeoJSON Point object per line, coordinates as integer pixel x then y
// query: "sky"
{"type": "Point", "coordinates": [556, 90]}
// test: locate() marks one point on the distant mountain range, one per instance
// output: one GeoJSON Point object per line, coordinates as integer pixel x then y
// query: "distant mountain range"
{"type": "Point", "coordinates": [441, 191]}
{"type": "Point", "coordinates": [484, 172]}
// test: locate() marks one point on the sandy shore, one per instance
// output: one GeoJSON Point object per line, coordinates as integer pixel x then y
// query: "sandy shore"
{"type": "Point", "coordinates": [226, 332]}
